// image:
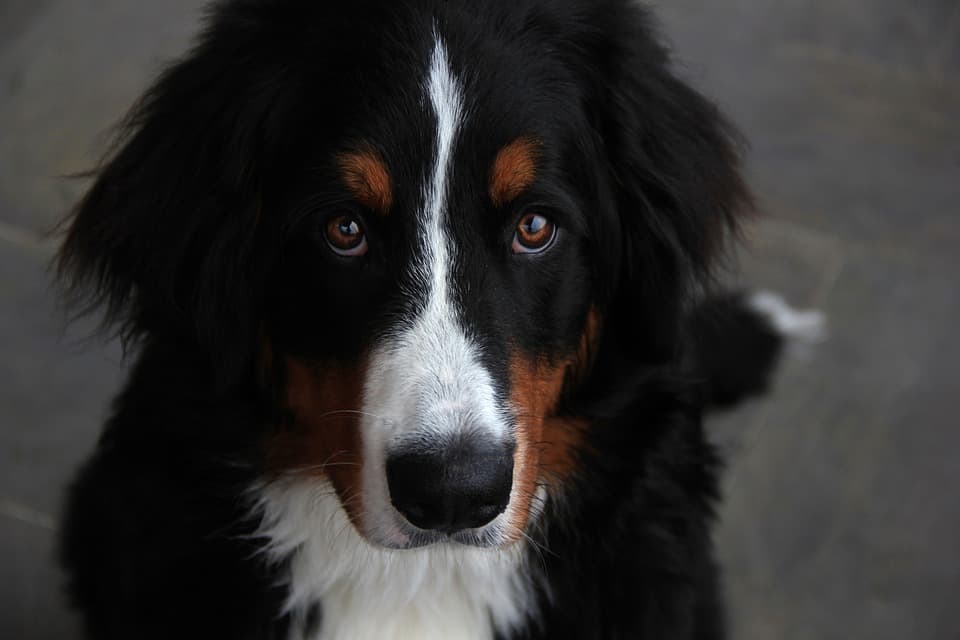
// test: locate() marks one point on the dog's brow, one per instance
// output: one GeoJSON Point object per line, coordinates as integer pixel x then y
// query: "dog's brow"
{"type": "Point", "coordinates": [365, 174]}
{"type": "Point", "coordinates": [513, 170]}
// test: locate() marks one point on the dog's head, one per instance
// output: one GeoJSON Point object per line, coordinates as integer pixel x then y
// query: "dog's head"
{"type": "Point", "coordinates": [424, 225]}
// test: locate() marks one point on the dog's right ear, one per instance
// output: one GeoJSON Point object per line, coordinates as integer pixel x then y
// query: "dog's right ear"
{"type": "Point", "coordinates": [675, 164]}
{"type": "Point", "coordinates": [165, 240]}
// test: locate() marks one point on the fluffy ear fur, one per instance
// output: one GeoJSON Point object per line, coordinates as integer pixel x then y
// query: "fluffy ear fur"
{"type": "Point", "coordinates": [164, 241]}
{"type": "Point", "coordinates": [675, 164]}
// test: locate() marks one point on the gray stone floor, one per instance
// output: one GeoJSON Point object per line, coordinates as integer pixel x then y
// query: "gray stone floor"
{"type": "Point", "coordinates": [842, 515]}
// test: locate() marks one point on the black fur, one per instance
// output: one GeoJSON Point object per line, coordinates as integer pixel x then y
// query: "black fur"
{"type": "Point", "coordinates": [199, 239]}
{"type": "Point", "coordinates": [736, 349]}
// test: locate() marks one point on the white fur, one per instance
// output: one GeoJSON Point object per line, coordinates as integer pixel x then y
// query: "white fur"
{"type": "Point", "coordinates": [803, 325]}
{"type": "Point", "coordinates": [440, 592]}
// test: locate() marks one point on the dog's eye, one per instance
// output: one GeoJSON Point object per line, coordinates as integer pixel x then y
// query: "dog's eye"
{"type": "Point", "coordinates": [345, 236]}
{"type": "Point", "coordinates": [534, 234]}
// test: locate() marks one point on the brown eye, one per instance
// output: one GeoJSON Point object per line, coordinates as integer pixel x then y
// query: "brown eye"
{"type": "Point", "coordinates": [345, 236]}
{"type": "Point", "coordinates": [535, 233]}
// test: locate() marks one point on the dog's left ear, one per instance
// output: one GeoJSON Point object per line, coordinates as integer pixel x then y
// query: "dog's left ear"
{"type": "Point", "coordinates": [675, 164]}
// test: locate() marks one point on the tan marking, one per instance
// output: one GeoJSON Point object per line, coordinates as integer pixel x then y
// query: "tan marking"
{"type": "Point", "coordinates": [324, 439]}
{"type": "Point", "coordinates": [514, 169]}
{"type": "Point", "coordinates": [535, 386]}
{"type": "Point", "coordinates": [589, 341]}
{"type": "Point", "coordinates": [365, 174]}
{"type": "Point", "coordinates": [547, 443]}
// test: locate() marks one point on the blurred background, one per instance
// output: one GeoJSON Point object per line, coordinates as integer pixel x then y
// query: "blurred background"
{"type": "Point", "coordinates": [842, 511]}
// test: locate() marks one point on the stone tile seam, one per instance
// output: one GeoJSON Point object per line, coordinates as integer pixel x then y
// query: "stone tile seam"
{"type": "Point", "coordinates": [26, 515]}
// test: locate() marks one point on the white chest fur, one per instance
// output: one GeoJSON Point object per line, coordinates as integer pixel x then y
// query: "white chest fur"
{"type": "Point", "coordinates": [448, 592]}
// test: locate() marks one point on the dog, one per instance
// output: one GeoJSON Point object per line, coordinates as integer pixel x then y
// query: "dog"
{"type": "Point", "coordinates": [419, 298]}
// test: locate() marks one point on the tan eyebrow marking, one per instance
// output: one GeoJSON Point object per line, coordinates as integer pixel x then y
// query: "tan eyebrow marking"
{"type": "Point", "coordinates": [514, 169]}
{"type": "Point", "coordinates": [366, 176]}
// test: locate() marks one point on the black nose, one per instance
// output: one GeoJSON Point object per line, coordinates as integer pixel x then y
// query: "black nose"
{"type": "Point", "coordinates": [460, 487]}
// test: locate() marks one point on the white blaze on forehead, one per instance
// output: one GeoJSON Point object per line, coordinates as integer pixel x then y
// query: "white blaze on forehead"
{"type": "Point", "coordinates": [446, 98]}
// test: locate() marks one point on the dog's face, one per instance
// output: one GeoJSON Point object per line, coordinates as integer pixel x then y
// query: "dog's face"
{"type": "Point", "coordinates": [420, 245]}
{"type": "Point", "coordinates": [434, 294]}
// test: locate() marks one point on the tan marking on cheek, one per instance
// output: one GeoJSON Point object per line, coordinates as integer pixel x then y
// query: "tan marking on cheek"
{"type": "Point", "coordinates": [535, 386]}
{"type": "Point", "coordinates": [562, 438]}
{"type": "Point", "coordinates": [365, 174]}
{"type": "Point", "coordinates": [514, 169]}
{"type": "Point", "coordinates": [547, 444]}
{"type": "Point", "coordinates": [324, 439]}
{"type": "Point", "coordinates": [589, 341]}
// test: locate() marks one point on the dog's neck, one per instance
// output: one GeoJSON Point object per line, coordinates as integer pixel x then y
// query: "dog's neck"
{"type": "Point", "coordinates": [438, 592]}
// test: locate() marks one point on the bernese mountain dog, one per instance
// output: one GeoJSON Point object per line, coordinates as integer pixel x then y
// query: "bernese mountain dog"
{"type": "Point", "coordinates": [417, 294]}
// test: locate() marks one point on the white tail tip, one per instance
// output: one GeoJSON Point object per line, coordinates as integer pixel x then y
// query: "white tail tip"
{"type": "Point", "coordinates": [803, 325]}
